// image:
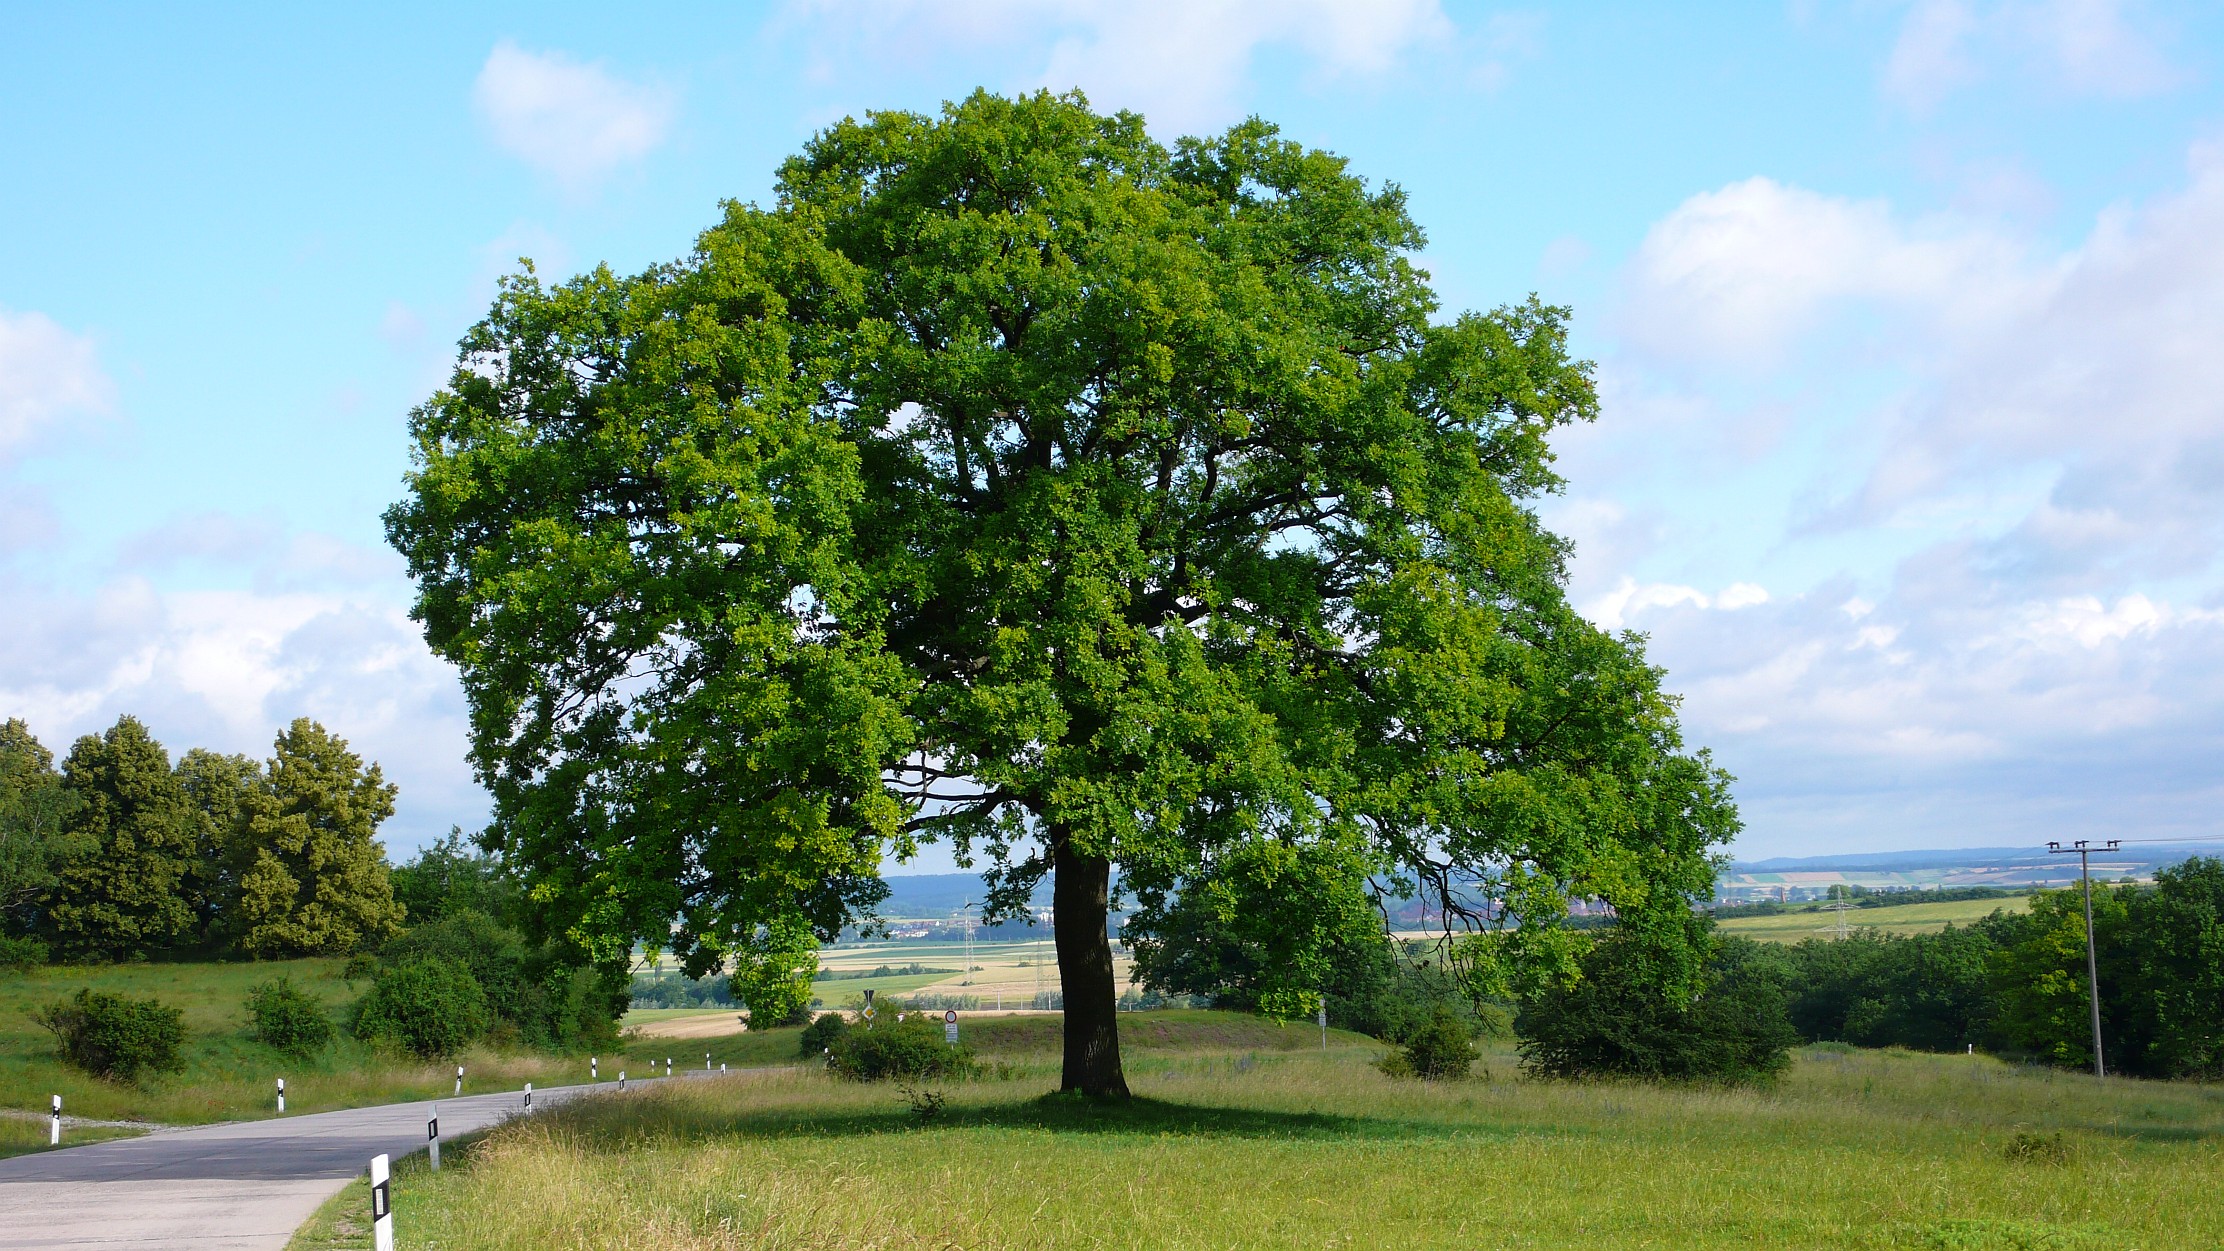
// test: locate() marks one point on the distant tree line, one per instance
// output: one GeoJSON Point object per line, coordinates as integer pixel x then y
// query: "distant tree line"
{"type": "Point", "coordinates": [2015, 983]}
{"type": "Point", "coordinates": [2012, 984]}
{"type": "Point", "coordinates": [119, 854]}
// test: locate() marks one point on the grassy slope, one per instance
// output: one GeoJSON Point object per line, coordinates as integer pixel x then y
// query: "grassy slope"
{"type": "Point", "coordinates": [1918, 918]}
{"type": "Point", "coordinates": [1231, 1148]}
{"type": "Point", "coordinates": [228, 1076]}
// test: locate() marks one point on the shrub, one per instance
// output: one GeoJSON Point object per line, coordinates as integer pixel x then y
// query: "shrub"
{"type": "Point", "coordinates": [361, 967]}
{"type": "Point", "coordinates": [1622, 1018]}
{"type": "Point", "coordinates": [288, 1018]}
{"type": "Point", "coordinates": [908, 1048]}
{"type": "Point", "coordinates": [1439, 1049]}
{"type": "Point", "coordinates": [115, 1036]}
{"type": "Point", "coordinates": [429, 1008]}
{"type": "Point", "coordinates": [2028, 1147]}
{"type": "Point", "coordinates": [821, 1034]}
{"type": "Point", "coordinates": [19, 954]}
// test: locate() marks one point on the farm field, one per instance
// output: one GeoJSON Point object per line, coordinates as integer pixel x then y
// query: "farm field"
{"type": "Point", "coordinates": [1852, 1149]}
{"type": "Point", "coordinates": [1916, 918]}
{"type": "Point", "coordinates": [227, 1075]}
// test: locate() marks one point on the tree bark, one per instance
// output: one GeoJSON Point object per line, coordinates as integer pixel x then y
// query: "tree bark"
{"type": "Point", "coordinates": [1079, 892]}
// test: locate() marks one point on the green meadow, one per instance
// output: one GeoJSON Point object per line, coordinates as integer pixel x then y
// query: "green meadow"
{"type": "Point", "coordinates": [1245, 1134]}
{"type": "Point", "coordinates": [228, 1075]}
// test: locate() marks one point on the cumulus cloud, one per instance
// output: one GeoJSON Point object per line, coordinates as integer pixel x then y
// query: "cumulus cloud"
{"type": "Point", "coordinates": [2088, 47]}
{"type": "Point", "coordinates": [48, 377]}
{"type": "Point", "coordinates": [2042, 650]}
{"type": "Point", "coordinates": [1182, 63]}
{"type": "Point", "coordinates": [572, 120]}
{"type": "Point", "coordinates": [318, 627]}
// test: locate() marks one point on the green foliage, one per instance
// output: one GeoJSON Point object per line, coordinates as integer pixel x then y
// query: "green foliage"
{"type": "Point", "coordinates": [1018, 481]}
{"type": "Point", "coordinates": [449, 877]}
{"type": "Point", "coordinates": [1442, 1048]}
{"type": "Point", "coordinates": [119, 1037]}
{"type": "Point", "coordinates": [1929, 992]}
{"type": "Point", "coordinates": [35, 837]}
{"type": "Point", "coordinates": [539, 995]}
{"type": "Point", "coordinates": [311, 877]}
{"type": "Point", "coordinates": [20, 954]}
{"type": "Point", "coordinates": [288, 1018]}
{"type": "Point", "coordinates": [1229, 932]}
{"type": "Point", "coordinates": [2170, 1008]}
{"type": "Point", "coordinates": [122, 892]}
{"type": "Point", "coordinates": [429, 1008]}
{"type": "Point", "coordinates": [1728, 1026]}
{"type": "Point", "coordinates": [912, 1047]}
{"type": "Point", "coordinates": [821, 1034]}
{"type": "Point", "coordinates": [772, 970]}
{"type": "Point", "coordinates": [221, 792]}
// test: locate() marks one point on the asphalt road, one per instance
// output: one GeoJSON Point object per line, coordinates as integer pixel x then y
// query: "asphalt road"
{"type": "Point", "coordinates": [245, 1185]}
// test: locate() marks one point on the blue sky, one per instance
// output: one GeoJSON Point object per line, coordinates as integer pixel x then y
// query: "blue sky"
{"type": "Point", "coordinates": [1909, 319]}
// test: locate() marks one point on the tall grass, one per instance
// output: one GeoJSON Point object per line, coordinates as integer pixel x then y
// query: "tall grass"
{"type": "Point", "coordinates": [1292, 1149]}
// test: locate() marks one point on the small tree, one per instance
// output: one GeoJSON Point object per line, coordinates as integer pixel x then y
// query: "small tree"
{"type": "Point", "coordinates": [429, 1008]}
{"type": "Point", "coordinates": [288, 1018]}
{"type": "Point", "coordinates": [912, 1047]}
{"type": "Point", "coordinates": [119, 1037]}
{"type": "Point", "coordinates": [1721, 1018]}
{"type": "Point", "coordinates": [312, 879]}
{"type": "Point", "coordinates": [449, 876]}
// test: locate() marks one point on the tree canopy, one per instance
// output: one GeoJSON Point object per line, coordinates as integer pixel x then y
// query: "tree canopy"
{"type": "Point", "coordinates": [1016, 480]}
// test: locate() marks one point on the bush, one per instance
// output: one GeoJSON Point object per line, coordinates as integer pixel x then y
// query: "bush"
{"type": "Point", "coordinates": [361, 967]}
{"type": "Point", "coordinates": [908, 1048]}
{"type": "Point", "coordinates": [19, 954]}
{"type": "Point", "coordinates": [429, 1008]}
{"type": "Point", "coordinates": [541, 996]}
{"type": "Point", "coordinates": [288, 1018]}
{"type": "Point", "coordinates": [821, 1035]}
{"type": "Point", "coordinates": [115, 1036]}
{"type": "Point", "coordinates": [1621, 1019]}
{"type": "Point", "coordinates": [1439, 1049]}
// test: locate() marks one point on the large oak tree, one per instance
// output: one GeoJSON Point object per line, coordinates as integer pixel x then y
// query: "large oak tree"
{"type": "Point", "coordinates": [1017, 481]}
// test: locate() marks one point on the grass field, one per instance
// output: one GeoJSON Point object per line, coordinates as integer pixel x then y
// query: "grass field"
{"type": "Point", "coordinates": [227, 1075]}
{"type": "Point", "coordinates": [1236, 1145]}
{"type": "Point", "coordinates": [1917, 918]}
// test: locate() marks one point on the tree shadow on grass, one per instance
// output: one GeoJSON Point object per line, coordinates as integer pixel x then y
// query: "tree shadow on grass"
{"type": "Point", "coordinates": [1063, 1114]}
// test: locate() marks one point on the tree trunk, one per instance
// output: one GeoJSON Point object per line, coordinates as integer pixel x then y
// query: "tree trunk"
{"type": "Point", "coordinates": [1078, 906]}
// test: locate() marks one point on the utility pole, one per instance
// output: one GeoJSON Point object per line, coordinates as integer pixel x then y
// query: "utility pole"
{"type": "Point", "coordinates": [2083, 851]}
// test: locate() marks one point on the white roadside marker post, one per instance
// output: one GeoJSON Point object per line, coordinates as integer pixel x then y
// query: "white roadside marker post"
{"type": "Point", "coordinates": [621, 1079]}
{"type": "Point", "coordinates": [382, 1206]}
{"type": "Point", "coordinates": [706, 1062]}
{"type": "Point", "coordinates": [667, 1066]}
{"type": "Point", "coordinates": [594, 1068]}
{"type": "Point", "coordinates": [432, 1137]}
{"type": "Point", "coordinates": [528, 1098]}
{"type": "Point", "coordinates": [721, 1068]}
{"type": "Point", "coordinates": [54, 1134]}
{"type": "Point", "coordinates": [459, 1081]}
{"type": "Point", "coordinates": [1324, 1023]}
{"type": "Point", "coordinates": [281, 1096]}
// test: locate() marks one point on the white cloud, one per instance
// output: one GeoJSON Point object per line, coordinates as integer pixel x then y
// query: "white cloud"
{"type": "Point", "coordinates": [48, 376]}
{"type": "Point", "coordinates": [227, 669]}
{"type": "Point", "coordinates": [2088, 47]}
{"type": "Point", "coordinates": [1738, 274]}
{"type": "Point", "coordinates": [2032, 469]}
{"type": "Point", "coordinates": [1182, 63]}
{"type": "Point", "coordinates": [572, 120]}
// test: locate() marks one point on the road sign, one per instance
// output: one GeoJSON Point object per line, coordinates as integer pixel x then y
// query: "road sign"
{"type": "Point", "coordinates": [950, 1016]}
